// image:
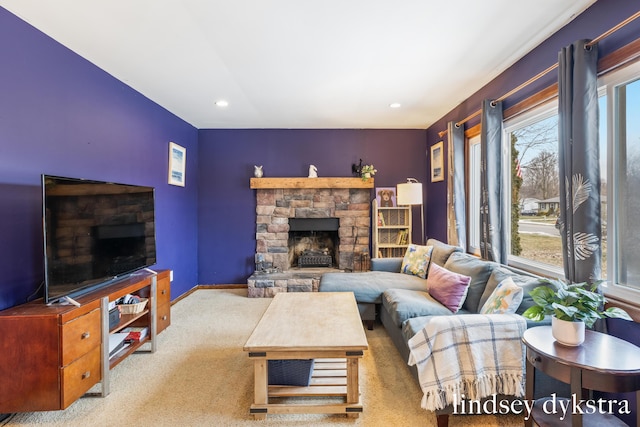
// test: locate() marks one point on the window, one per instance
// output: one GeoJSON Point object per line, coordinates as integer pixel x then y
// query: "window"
{"type": "Point", "coordinates": [531, 149]}
{"type": "Point", "coordinates": [473, 195]}
{"type": "Point", "coordinates": [622, 183]}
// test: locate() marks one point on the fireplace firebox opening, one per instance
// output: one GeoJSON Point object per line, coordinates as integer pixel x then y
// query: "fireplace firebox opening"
{"type": "Point", "coordinates": [313, 242]}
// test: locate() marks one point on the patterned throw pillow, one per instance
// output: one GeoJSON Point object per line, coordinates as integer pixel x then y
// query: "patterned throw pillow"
{"type": "Point", "coordinates": [505, 298]}
{"type": "Point", "coordinates": [416, 260]}
{"type": "Point", "coordinates": [449, 288]}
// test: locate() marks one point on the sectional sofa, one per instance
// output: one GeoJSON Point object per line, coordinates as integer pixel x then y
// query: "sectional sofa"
{"type": "Point", "coordinates": [405, 301]}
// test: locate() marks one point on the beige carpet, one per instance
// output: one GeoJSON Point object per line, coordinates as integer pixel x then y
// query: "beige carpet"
{"type": "Point", "coordinates": [199, 376]}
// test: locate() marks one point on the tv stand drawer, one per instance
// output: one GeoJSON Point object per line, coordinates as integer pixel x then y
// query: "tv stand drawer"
{"type": "Point", "coordinates": [80, 376]}
{"type": "Point", "coordinates": [80, 336]}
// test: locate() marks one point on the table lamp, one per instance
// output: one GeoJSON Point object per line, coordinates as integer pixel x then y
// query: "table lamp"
{"type": "Point", "coordinates": [410, 193]}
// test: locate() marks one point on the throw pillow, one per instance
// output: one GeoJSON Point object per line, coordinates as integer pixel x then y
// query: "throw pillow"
{"type": "Point", "coordinates": [449, 288]}
{"type": "Point", "coordinates": [416, 260]}
{"type": "Point", "coordinates": [505, 298]}
{"type": "Point", "coordinates": [526, 281]}
{"type": "Point", "coordinates": [478, 269]}
{"type": "Point", "coordinates": [441, 251]}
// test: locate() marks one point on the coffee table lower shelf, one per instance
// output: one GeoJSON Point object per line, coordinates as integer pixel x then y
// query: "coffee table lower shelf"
{"type": "Point", "coordinates": [331, 378]}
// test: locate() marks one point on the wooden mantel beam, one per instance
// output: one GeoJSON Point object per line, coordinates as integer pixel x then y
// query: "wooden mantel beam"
{"type": "Point", "coordinates": [300, 182]}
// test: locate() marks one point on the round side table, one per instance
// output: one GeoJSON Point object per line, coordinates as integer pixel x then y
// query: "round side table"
{"type": "Point", "coordinates": [602, 363]}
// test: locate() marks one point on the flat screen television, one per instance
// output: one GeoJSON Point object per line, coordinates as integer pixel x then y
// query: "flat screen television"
{"type": "Point", "coordinates": [95, 233]}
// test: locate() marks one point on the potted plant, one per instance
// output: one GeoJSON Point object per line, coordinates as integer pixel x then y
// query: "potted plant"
{"type": "Point", "coordinates": [367, 171]}
{"type": "Point", "coordinates": [573, 306]}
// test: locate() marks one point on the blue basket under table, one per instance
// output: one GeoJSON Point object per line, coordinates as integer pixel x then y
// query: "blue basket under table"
{"type": "Point", "coordinates": [296, 372]}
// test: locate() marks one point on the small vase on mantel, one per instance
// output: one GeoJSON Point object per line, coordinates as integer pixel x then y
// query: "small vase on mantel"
{"type": "Point", "coordinates": [566, 332]}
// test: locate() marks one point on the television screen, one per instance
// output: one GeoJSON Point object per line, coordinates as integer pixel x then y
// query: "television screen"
{"type": "Point", "coordinates": [94, 233]}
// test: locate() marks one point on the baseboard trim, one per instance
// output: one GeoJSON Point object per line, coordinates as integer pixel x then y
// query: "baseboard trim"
{"type": "Point", "coordinates": [198, 287]}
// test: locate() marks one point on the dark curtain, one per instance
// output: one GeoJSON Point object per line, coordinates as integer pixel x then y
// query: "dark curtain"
{"type": "Point", "coordinates": [456, 206]}
{"type": "Point", "coordinates": [579, 162]}
{"type": "Point", "coordinates": [493, 224]}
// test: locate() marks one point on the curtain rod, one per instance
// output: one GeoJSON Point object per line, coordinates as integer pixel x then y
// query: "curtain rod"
{"type": "Point", "coordinates": [545, 72]}
{"type": "Point", "coordinates": [614, 29]}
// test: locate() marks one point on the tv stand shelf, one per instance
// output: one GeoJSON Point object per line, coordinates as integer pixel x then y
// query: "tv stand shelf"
{"type": "Point", "coordinates": [51, 355]}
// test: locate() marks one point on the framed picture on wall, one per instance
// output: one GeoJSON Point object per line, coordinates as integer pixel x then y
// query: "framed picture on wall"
{"type": "Point", "coordinates": [177, 164]}
{"type": "Point", "coordinates": [437, 162]}
{"type": "Point", "coordinates": [386, 197]}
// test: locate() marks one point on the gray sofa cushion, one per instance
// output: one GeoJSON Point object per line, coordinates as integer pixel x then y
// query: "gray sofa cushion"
{"type": "Point", "coordinates": [441, 251]}
{"type": "Point", "coordinates": [392, 265]}
{"type": "Point", "coordinates": [368, 286]}
{"type": "Point", "coordinates": [479, 271]}
{"type": "Point", "coordinates": [403, 304]}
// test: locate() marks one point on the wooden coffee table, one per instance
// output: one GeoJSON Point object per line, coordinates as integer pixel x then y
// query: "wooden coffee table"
{"type": "Point", "coordinates": [324, 326]}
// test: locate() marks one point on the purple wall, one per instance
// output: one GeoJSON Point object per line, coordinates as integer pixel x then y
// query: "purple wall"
{"type": "Point", "coordinates": [61, 115]}
{"type": "Point", "coordinates": [599, 18]}
{"type": "Point", "coordinates": [227, 206]}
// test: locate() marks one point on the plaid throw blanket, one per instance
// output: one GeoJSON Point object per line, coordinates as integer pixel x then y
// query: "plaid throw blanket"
{"type": "Point", "coordinates": [474, 355]}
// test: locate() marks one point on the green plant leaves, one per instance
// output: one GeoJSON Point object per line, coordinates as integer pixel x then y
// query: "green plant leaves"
{"type": "Point", "coordinates": [535, 313]}
{"type": "Point", "coordinates": [617, 313]}
{"type": "Point", "coordinates": [572, 302]}
{"type": "Point", "coordinates": [564, 312]}
{"type": "Point", "coordinates": [542, 295]}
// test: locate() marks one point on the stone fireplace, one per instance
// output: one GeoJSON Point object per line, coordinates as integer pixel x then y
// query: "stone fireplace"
{"type": "Point", "coordinates": [328, 216]}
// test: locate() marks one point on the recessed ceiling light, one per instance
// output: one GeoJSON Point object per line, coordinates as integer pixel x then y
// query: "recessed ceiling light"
{"type": "Point", "coordinates": [222, 103]}
{"type": "Point", "coordinates": [395, 105]}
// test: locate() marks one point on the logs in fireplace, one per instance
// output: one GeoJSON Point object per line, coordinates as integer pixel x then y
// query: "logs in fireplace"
{"type": "Point", "coordinates": [311, 258]}
{"type": "Point", "coordinates": [312, 241]}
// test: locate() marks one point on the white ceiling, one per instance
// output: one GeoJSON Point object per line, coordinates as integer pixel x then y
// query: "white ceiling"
{"type": "Point", "coordinates": [302, 63]}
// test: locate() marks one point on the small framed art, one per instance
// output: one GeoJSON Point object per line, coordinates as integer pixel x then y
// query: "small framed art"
{"type": "Point", "coordinates": [386, 197]}
{"type": "Point", "coordinates": [177, 164]}
{"type": "Point", "coordinates": [437, 162]}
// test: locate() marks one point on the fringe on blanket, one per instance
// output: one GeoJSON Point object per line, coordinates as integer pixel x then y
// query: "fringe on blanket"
{"type": "Point", "coordinates": [509, 383]}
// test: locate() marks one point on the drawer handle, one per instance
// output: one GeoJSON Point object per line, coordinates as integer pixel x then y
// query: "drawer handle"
{"type": "Point", "coordinates": [164, 317]}
{"type": "Point", "coordinates": [85, 335]}
{"type": "Point", "coordinates": [86, 375]}
{"type": "Point", "coordinates": [164, 291]}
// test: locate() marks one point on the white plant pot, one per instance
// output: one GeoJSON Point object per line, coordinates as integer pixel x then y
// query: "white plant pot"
{"type": "Point", "coordinates": [567, 333]}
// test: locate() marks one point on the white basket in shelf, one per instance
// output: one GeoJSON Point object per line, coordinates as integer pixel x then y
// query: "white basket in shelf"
{"type": "Point", "coordinates": [133, 308]}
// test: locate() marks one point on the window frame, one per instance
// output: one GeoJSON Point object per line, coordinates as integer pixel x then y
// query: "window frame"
{"type": "Point", "coordinates": [533, 115]}
{"type": "Point", "coordinates": [473, 210]}
{"type": "Point", "coordinates": [609, 84]}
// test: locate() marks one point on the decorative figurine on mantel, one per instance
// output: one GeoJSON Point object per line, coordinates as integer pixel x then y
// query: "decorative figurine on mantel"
{"type": "Point", "coordinates": [257, 171]}
{"type": "Point", "coordinates": [357, 169]}
{"type": "Point", "coordinates": [313, 171]}
{"type": "Point", "coordinates": [363, 171]}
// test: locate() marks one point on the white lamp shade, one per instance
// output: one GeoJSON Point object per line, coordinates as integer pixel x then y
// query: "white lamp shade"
{"type": "Point", "coordinates": [409, 193]}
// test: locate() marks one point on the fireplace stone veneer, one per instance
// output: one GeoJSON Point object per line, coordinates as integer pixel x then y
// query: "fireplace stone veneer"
{"type": "Point", "coordinates": [347, 199]}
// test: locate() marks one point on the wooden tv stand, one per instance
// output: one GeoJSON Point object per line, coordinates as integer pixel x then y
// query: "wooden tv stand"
{"type": "Point", "coordinates": [51, 355]}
